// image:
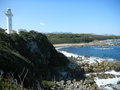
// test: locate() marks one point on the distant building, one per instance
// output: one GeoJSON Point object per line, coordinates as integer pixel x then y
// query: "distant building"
{"type": "Point", "coordinates": [19, 30]}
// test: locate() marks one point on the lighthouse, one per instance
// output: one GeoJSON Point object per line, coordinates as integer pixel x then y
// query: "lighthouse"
{"type": "Point", "coordinates": [9, 20]}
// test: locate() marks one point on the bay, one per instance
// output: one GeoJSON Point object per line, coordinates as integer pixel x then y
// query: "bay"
{"type": "Point", "coordinates": [111, 53]}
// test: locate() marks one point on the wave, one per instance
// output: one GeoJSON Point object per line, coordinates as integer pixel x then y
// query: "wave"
{"type": "Point", "coordinates": [90, 60]}
{"type": "Point", "coordinates": [69, 54]}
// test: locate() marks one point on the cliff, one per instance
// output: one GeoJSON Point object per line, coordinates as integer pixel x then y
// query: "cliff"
{"type": "Point", "coordinates": [29, 58]}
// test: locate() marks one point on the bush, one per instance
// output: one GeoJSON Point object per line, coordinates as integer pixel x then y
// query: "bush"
{"type": "Point", "coordinates": [48, 84]}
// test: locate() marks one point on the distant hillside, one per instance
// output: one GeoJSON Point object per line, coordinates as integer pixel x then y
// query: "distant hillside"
{"type": "Point", "coordinates": [30, 58]}
{"type": "Point", "coordinates": [77, 38]}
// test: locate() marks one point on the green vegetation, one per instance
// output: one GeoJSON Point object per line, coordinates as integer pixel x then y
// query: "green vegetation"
{"type": "Point", "coordinates": [48, 84]}
{"type": "Point", "coordinates": [77, 38]}
{"type": "Point", "coordinates": [29, 58]}
{"type": "Point", "coordinates": [6, 84]}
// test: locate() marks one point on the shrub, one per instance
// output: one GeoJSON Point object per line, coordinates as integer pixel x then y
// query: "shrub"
{"type": "Point", "coordinates": [48, 84]}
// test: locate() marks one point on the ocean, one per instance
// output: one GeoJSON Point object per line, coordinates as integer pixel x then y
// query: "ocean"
{"type": "Point", "coordinates": [101, 54]}
{"type": "Point", "coordinates": [112, 53]}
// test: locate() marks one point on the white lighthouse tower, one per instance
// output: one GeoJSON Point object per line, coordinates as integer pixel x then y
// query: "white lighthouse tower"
{"type": "Point", "coordinates": [9, 20]}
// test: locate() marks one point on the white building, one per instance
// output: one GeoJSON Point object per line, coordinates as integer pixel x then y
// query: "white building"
{"type": "Point", "coordinates": [9, 20]}
{"type": "Point", "coordinates": [19, 30]}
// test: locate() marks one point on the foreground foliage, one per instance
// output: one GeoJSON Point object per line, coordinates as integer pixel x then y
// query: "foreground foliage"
{"type": "Point", "coordinates": [29, 58]}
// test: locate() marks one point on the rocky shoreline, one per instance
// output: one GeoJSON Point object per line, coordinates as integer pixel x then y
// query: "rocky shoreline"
{"type": "Point", "coordinates": [99, 73]}
{"type": "Point", "coordinates": [98, 76]}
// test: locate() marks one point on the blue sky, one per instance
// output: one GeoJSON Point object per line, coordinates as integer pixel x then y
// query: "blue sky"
{"type": "Point", "coordinates": [77, 16]}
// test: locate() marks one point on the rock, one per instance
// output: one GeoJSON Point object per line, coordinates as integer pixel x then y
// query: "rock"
{"type": "Point", "coordinates": [118, 82]}
{"type": "Point", "coordinates": [68, 82]}
{"type": "Point", "coordinates": [84, 83]}
{"type": "Point", "coordinates": [91, 81]}
{"type": "Point", "coordinates": [62, 82]}
{"type": "Point", "coordinates": [81, 81]}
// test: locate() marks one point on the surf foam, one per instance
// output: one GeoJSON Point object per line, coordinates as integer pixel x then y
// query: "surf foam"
{"type": "Point", "coordinates": [88, 60]}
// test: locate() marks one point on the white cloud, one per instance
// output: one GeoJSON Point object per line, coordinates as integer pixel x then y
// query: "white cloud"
{"type": "Point", "coordinates": [42, 24]}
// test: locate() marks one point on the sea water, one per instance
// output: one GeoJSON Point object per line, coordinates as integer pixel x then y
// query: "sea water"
{"type": "Point", "coordinates": [111, 53]}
